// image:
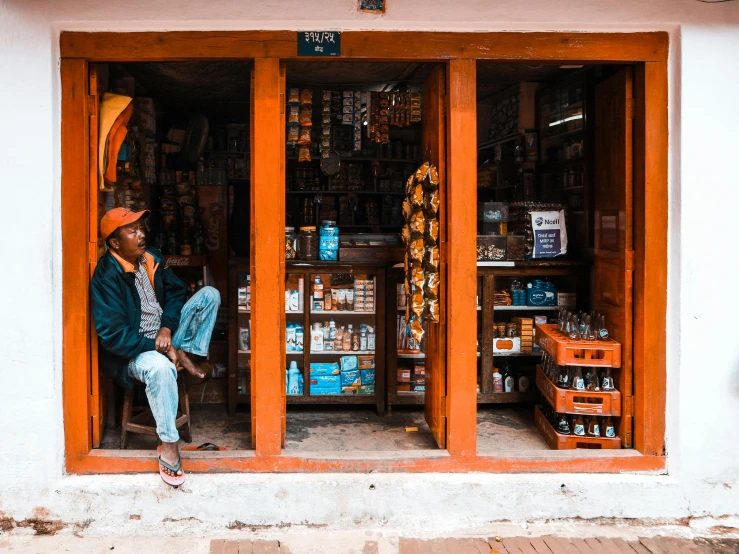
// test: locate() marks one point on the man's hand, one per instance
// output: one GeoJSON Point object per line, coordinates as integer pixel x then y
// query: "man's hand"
{"type": "Point", "coordinates": [163, 340]}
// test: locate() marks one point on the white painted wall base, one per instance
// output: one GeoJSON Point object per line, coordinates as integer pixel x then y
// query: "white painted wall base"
{"type": "Point", "coordinates": [703, 356]}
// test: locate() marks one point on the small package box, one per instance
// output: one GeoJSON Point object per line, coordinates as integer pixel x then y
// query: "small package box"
{"type": "Point", "coordinates": [418, 387]}
{"type": "Point", "coordinates": [404, 387]}
{"type": "Point", "coordinates": [317, 391]}
{"type": "Point", "coordinates": [350, 378]}
{"type": "Point", "coordinates": [317, 369]}
{"type": "Point", "coordinates": [366, 362]}
{"type": "Point", "coordinates": [508, 344]}
{"type": "Point", "coordinates": [366, 389]}
{"type": "Point", "coordinates": [350, 390]}
{"type": "Point", "coordinates": [404, 375]}
{"type": "Point", "coordinates": [367, 376]}
{"type": "Point", "coordinates": [325, 381]}
{"type": "Point", "coordinates": [349, 363]}
{"type": "Point", "coordinates": [419, 370]}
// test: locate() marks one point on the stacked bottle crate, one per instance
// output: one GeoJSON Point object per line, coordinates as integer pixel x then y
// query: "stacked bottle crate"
{"type": "Point", "coordinates": [580, 398]}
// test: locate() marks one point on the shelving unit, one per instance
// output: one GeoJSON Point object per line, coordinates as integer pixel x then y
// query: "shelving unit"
{"type": "Point", "coordinates": [575, 272]}
{"type": "Point", "coordinates": [566, 157]}
{"type": "Point", "coordinates": [307, 270]}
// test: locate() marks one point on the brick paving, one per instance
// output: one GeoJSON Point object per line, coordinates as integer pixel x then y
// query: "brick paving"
{"type": "Point", "coordinates": [518, 545]}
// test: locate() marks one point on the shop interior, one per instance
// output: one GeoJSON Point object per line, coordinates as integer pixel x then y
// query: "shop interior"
{"type": "Point", "coordinates": [354, 133]}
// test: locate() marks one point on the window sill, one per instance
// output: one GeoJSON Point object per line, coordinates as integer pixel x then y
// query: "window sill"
{"type": "Point", "coordinates": [577, 461]}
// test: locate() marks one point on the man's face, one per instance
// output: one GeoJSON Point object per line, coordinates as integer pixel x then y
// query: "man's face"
{"type": "Point", "coordinates": [131, 243]}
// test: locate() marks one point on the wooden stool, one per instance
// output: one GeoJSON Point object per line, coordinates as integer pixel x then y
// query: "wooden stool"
{"type": "Point", "coordinates": [141, 423]}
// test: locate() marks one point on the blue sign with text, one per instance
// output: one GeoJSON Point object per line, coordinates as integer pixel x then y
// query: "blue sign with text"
{"type": "Point", "coordinates": [319, 43]}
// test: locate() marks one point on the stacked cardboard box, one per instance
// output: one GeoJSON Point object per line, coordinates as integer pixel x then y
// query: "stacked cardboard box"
{"type": "Point", "coordinates": [525, 329]}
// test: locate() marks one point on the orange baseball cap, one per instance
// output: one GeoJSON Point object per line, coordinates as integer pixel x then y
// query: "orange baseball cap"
{"type": "Point", "coordinates": [118, 217]}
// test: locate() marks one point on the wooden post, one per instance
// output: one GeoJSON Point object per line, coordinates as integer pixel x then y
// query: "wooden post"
{"type": "Point", "coordinates": [650, 255]}
{"type": "Point", "coordinates": [267, 254]}
{"type": "Point", "coordinates": [76, 317]}
{"type": "Point", "coordinates": [462, 275]}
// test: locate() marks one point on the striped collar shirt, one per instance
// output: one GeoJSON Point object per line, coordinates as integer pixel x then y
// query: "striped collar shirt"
{"type": "Point", "coordinates": [151, 311]}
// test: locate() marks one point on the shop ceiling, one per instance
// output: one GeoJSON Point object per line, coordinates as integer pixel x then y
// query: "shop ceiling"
{"type": "Point", "coordinates": [217, 81]}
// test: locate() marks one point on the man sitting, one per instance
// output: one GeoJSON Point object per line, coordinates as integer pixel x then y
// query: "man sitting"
{"type": "Point", "coordinates": [146, 329]}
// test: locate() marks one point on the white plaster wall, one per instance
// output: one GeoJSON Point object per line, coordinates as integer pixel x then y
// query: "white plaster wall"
{"type": "Point", "coordinates": [703, 354]}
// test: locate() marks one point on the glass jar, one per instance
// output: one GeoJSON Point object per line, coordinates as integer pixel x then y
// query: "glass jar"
{"type": "Point", "coordinates": [308, 243]}
{"type": "Point", "coordinates": [328, 244]}
{"type": "Point", "coordinates": [290, 240]}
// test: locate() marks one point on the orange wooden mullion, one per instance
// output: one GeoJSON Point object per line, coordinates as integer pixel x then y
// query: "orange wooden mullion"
{"type": "Point", "coordinates": [650, 246]}
{"type": "Point", "coordinates": [75, 264]}
{"type": "Point", "coordinates": [267, 271]}
{"type": "Point", "coordinates": [462, 264]}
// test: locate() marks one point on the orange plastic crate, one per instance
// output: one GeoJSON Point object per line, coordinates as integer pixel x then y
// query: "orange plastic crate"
{"type": "Point", "coordinates": [565, 401]}
{"type": "Point", "coordinates": [564, 351]}
{"type": "Point", "coordinates": [570, 442]}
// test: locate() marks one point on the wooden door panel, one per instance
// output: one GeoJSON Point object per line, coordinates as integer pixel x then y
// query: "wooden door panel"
{"type": "Point", "coordinates": [433, 146]}
{"type": "Point", "coordinates": [97, 380]}
{"type": "Point", "coordinates": [283, 377]}
{"type": "Point", "coordinates": [613, 201]}
{"type": "Point", "coordinates": [252, 165]}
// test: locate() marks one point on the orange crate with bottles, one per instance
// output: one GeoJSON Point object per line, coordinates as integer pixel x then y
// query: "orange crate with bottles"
{"type": "Point", "coordinates": [567, 401]}
{"type": "Point", "coordinates": [557, 441]}
{"type": "Point", "coordinates": [565, 351]}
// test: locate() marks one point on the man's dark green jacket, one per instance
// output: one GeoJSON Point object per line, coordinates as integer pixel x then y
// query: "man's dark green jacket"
{"type": "Point", "coordinates": [116, 308]}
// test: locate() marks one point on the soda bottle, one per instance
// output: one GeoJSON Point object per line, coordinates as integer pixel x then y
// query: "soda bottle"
{"type": "Point", "coordinates": [563, 426]}
{"type": "Point", "coordinates": [593, 427]}
{"type": "Point", "coordinates": [578, 383]}
{"type": "Point", "coordinates": [606, 380]}
{"type": "Point", "coordinates": [578, 426]}
{"type": "Point", "coordinates": [609, 431]}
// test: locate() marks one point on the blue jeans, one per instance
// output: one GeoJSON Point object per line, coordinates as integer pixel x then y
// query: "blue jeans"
{"type": "Point", "coordinates": [160, 375]}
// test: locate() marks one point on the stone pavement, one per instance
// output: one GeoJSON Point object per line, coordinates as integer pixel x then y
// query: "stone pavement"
{"type": "Point", "coordinates": [199, 545]}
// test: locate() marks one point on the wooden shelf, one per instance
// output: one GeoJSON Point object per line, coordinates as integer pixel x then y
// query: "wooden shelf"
{"type": "Point", "coordinates": [331, 398]}
{"type": "Point", "coordinates": [349, 159]}
{"type": "Point", "coordinates": [369, 192]}
{"type": "Point", "coordinates": [490, 143]}
{"type": "Point", "coordinates": [516, 354]}
{"type": "Point", "coordinates": [418, 356]}
{"type": "Point", "coordinates": [526, 308]}
{"type": "Point", "coordinates": [504, 397]}
{"type": "Point", "coordinates": [343, 353]}
{"type": "Point", "coordinates": [340, 312]}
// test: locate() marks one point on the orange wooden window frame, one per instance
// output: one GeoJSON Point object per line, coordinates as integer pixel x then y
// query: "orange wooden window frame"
{"type": "Point", "coordinates": [648, 51]}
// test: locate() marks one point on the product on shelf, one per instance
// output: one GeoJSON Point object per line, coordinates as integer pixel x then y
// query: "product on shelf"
{"type": "Point", "coordinates": [328, 246]}
{"type": "Point", "coordinates": [294, 381]}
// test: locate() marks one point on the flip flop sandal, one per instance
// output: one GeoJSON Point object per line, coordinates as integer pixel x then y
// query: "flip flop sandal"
{"type": "Point", "coordinates": [171, 480]}
{"type": "Point", "coordinates": [205, 447]}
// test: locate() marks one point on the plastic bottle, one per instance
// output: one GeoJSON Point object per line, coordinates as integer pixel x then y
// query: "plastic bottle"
{"type": "Point", "coordinates": [299, 338]}
{"type": "Point", "coordinates": [509, 382]}
{"type": "Point", "coordinates": [497, 381]}
{"type": "Point", "coordinates": [370, 338]}
{"type": "Point", "coordinates": [363, 337]}
{"type": "Point", "coordinates": [332, 334]}
{"type": "Point", "coordinates": [293, 379]}
{"type": "Point", "coordinates": [316, 338]}
{"type": "Point", "coordinates": [348, 338]}
{"type": "Point", "coordinates": [290, 336]}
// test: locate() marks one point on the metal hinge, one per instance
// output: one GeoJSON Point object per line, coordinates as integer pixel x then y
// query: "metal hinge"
{"type": "Point", "coordinates": [92, 252]}
{"type": "Point", "coordinates": [629, 260]}
{"type": "Point", "coordinates": [628, 406]}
